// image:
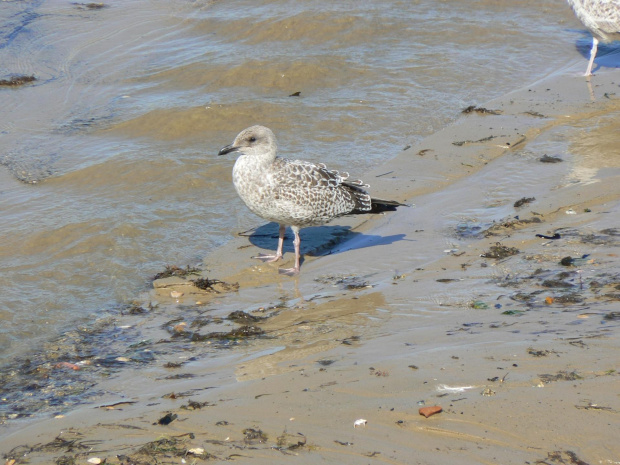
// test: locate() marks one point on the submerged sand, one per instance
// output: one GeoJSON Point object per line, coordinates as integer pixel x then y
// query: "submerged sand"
{"type": "Point", "coordinates": [415, 309]}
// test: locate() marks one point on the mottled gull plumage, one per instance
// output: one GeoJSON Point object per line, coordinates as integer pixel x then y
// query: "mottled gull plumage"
{"type": "Point", "coordinates": [293, 193]}
{"type": "Point", "coordinates": [601, 18]}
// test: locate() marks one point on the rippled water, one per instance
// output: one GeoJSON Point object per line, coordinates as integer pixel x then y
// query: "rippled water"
{"type": "Point", "coordinates": [108, 161]}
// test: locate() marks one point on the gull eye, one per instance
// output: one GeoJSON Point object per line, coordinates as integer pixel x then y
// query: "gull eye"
{"type": "Point", "coordinates": [252, 139]}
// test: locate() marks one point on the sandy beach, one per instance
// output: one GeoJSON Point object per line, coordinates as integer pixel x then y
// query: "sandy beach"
{"type": "Point", "coordinates": [507, 317]}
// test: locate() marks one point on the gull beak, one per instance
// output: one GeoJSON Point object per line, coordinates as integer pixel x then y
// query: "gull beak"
{"type": "Point", "coordinates": [226, 150]}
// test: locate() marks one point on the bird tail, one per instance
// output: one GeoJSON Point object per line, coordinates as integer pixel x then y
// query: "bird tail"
{"type": "Point", "coordinates": [380, 205]}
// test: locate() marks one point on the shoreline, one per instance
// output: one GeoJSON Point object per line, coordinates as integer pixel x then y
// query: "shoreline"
{"type": "Point", "coordinates": [421, 314]}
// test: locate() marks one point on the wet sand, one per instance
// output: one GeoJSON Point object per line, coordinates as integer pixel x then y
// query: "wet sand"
{"type": "Point", "coordinates": [520, 351]}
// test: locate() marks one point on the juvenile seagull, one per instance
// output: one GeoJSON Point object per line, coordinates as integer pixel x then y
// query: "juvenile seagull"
{"type": "Point", "coordinates": [293, 193]}
{"type": "Point", "coordinates": [601, 18]}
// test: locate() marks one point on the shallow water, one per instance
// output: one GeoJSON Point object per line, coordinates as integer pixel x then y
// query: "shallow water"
{"type": "Point", "coordinates": [108, 161]}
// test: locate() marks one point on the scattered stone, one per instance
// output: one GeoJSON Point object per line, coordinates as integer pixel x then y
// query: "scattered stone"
{"type": "Point", "coordinates": [167, 419]}
{"type": "Point", "coordinates": [428, 411]}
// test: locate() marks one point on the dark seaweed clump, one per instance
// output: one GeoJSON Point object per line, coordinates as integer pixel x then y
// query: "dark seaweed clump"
{"type": "Point", "coordinates": [17, 81]}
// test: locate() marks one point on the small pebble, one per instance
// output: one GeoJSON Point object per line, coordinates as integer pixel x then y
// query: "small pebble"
{"type": "Point", "coordinates": [428, 411]}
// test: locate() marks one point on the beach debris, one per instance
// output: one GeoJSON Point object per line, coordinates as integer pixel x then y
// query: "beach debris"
{"type": "Point", "coordinates": [360, 422]}
{"type": "Point", "coordinates": [479, 305]}
{"type": "Point", "coordinates": [167, 419]}
{"type": "Point", "coordinates": [350, 340]}
{"type": "Point", "coordinates": [17, 81]}
{"type": "Point", "coordinates": [612, 316]}
{"type": "Point", "coordinates": [535, 114]}
{"type": "Point", "coordinates": [196, 451]}
{"type": "Point", "coordinates": [173, 270]}
{"type": "Point", "coordinates": [296, 94]}
{"type": "Point", "coordinates": [345, 282]}
{"type": "Point", "coordinates": [176, 294]}
{"type": "Point", "coordinates": [487, 392]}
{"type": "Point", "coordinates": [523, 201]}
{"type": "Point", "coordinates": [286, 442]}
{"type": "Point", "coordinates": [95, 460]}
{"type": "Point", "coordinates": [241, 316]}
{"type": "Point", "coordinates": [193, 405]}
{"type": "Point", "coordinates": [480, 110]}
{"type": "Point", "coordinates": [513, 312]}
{"type": "Point", "coordinates": [116, 404]}
{"type": "Point", "coordinates": [161, 448]}
{"type": "Point", "coordinates": [548, 159]}
{"type": "Point", "coordinates": [560, 457]}
{"type": "Point", "coordinates": [89, 6]}
{"type": "Point", "coordinates": [71, 366]}
{"type": "Point", "coordinates": [209, 285]}
{"type": "Point", "coordinates": [515, 223]}
{"type": "Point", "coordinates": [413, 367]}
{"type": "Point", "coordinates": [499, 251]}
{"type": "Point", "coordinates": [343, 443]}
{"type": "Point", "coordinates": [549, 300]}
{"type": "Point", "coordinates": [375, 372]}
{"type": "Point", "coordinates": [254, 436]}
{"type": "Point", "coordinates": [554, 237]}
{"type": "Point", "coordinates": [557, 283]}
{"type": "Point", "coordinates": [560, 376]}
{"type": "Point", "coordinates": [464, 142]}
{"type": "Point", "coordinates": [539, 352]}
{"type": "Point", "coordinates": [429, 411]}
{"type": "Point", "coordinates": [592, 406]}
{"type": "Point", "coordinates": [570, 211]}
{"type": "Point", "coordinates": [452, 389]}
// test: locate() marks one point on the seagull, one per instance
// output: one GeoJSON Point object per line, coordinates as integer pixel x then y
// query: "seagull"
{"type": "Point", "coordinates": [293, 193]}
{"type": "Point", "coordinates": [601, 18]}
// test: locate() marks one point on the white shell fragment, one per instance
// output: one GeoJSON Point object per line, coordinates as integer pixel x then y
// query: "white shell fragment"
{"type": "Point", "coordinates": [446, 388]}
{"type": "Point", "coordinates": [94, 460]}
{"type": "Point", "coordinates": [175, 294]}
{"type": "Point", "coordinates": [360, 422]}
{"type": "Point", "coordinates": [196, 451]}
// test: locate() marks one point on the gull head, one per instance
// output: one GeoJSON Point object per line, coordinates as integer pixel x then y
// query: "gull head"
{"type": "Point", "coordinates": [255, 141]}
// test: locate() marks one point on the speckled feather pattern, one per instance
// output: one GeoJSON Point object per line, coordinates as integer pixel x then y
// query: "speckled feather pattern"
{"type": "Point", "coordinates": [295, 192]}
{"type": "Point", "coordinates": [600, 17]}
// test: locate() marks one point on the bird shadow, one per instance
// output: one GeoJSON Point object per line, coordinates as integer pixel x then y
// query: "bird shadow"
{"type": "Point", "coordinates": [607, 56]}
{"type": "Point", "coordinates": [317, 240]}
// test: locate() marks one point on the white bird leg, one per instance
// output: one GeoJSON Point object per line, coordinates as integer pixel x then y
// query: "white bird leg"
{"type": "Point", "coordinates": [296, 242]}
{"type": "Point", "coordinates": [592, 56]}
{"type": "Point", "coordinates": [274, 258]}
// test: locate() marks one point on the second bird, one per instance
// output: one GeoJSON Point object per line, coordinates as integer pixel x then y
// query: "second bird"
{"type": "Point", "coordinates": [602, 18]}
